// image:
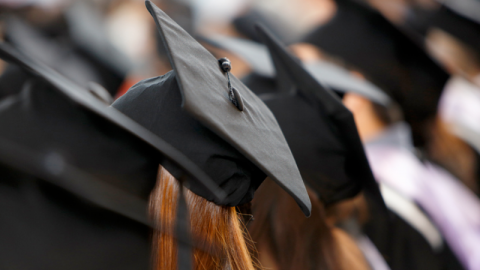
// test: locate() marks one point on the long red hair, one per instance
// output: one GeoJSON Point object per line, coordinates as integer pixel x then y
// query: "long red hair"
{"type": "Point", "coordinates": [218, 231]}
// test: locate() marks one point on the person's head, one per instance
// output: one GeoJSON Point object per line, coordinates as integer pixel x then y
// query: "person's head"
{"type": "Point", "coordinates": [217, 231]}
{"type": "Point", "coordinates": [370, 118]}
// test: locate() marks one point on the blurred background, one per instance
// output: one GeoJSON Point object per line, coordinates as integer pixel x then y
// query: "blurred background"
{"type": "Point", "coordinates": [107, 46]}
{"type": "Point", "coordinates": [113, 44]}
{"type": "Point", "coordinates": [121, 35]}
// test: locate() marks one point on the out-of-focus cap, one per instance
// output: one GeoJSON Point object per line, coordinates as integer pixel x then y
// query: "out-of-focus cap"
{"type": "Point", "coordinates": [258, 58]}
{"type": "Point", "coordinates": [321, 132]}
{"type": "Point", "coordinates": [389, 57]}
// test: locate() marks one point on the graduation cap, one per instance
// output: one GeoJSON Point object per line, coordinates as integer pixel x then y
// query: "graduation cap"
{"type": "Point", "coordinates": [321, 132]}
{"type": "Point", "coordinates": [77, 143]}
{"type": "Point", "coordinates": [258, 58]}
{"type": "Point", "coordinates": [255, 54]}
{"type": "Point", "coordinates": [388, 57]}
{"type": "Point", "coordinates": [207, 113]}
{"type": "Point", "coordinates": [262, 78]}
{"type": "Point", "coordinates": [32, 125]}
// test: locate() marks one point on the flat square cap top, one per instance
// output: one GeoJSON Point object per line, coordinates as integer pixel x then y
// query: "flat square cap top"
{"type": "Point", "coordinates": [254, 131]}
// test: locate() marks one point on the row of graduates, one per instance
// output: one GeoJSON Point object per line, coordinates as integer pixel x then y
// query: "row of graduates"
{"type": "Point", "coordinates": [78, 174]}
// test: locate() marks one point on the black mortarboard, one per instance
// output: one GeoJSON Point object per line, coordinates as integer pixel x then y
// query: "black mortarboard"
{"type": "Point", "coordinates": [261, 79]}
{"type": "Point", "coordinates": [81, 146]}
{"type": "Point", "coordinates": [320, 131]}
{"type": "Point", "coordinates": [387, 56]}
{"type": "Point", "coordinates": [228, 132]}
{"type": "Point", "coordinates": [335, 77]}
{"type": "Point", "coordinates": [255, 54]}
{"type": "Point", "coordinates": [39, 113]}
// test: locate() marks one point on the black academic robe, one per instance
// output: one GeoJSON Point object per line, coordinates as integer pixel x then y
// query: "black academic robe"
{"type": "Point", "coordinates": [404, 248]}
{"type": "Point", "coordinates": [43, 226]}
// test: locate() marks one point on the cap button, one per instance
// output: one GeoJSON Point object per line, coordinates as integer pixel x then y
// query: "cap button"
{"type": "Point", "coordinates": [225, 64]}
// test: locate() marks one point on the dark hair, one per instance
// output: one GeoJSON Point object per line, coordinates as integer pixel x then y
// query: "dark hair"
{"type": "Point", "coordinates": [291, 239]}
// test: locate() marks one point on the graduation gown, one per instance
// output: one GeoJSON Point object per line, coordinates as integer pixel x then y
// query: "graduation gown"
{"type": "Point", "coordinates": [44, 226]}
{"type": "Point", "coordinates": [409, 246]}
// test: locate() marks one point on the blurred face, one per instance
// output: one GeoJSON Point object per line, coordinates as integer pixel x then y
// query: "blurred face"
{"type": "Point", "coordinates": [368, 123]}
